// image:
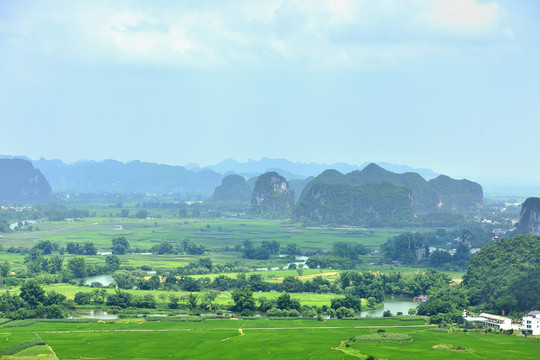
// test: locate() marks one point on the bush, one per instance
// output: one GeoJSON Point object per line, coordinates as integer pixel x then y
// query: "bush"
{"type": "Point", "coordinates": [246, 312]}
{"type": "Point", "coordinates": [274, 312]}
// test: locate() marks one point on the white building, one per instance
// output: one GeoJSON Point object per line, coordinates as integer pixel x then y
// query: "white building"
{"type": "Point", "coordinates": [531, 323]}
{"type": "Point", "coordinates": [491, 321]}
{"type": "Point", "coordinates": [496, 321]}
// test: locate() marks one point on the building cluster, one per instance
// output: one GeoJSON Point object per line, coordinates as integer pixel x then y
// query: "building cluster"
{"type": "Point", "coordinates": [530, 323]}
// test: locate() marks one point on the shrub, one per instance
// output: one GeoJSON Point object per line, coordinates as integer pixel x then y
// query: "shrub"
{"type": "Point", "coordinates": [246, 312]}
{"type": "Point", "coordinates": [274, 312]}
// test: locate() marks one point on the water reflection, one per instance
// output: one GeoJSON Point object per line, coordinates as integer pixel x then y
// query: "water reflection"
{"type": "Point", "coordinates": [393, 303]}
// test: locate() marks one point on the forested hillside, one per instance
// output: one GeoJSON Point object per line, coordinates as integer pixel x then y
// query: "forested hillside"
{"type": "Point", "coordinates": [371, 204]}
{"type": "Point", "coordinates": [378, 197]}
{"type": "Point", "coordinates": [506, 273]}
{"type": "Point", "coordinates": [20, 182]}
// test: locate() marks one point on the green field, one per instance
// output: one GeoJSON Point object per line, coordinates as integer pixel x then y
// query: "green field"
{"type": "Point", "coordinates": [264, 339]}
{"type": "Point", "coordinates": [216, 235]}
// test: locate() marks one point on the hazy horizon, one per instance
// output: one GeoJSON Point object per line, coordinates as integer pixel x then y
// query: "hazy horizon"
{"type": "Point", "coordinates": [447, 85]}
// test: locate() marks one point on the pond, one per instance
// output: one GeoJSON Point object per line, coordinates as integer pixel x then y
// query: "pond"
{"type": "Point", "coordinates": [99, 314]}
{"type": "Point", "coordinates": [393, 303]}
{"type": "Point", "coordinates": [300, 260]}
{"type": "Point", "coordinates": [105, 280]}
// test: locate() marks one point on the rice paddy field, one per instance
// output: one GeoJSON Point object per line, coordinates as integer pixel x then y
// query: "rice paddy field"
{"type": "Point", "coordinates": [257, 339]}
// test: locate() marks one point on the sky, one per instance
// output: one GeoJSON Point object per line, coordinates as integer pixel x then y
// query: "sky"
{"type": "Point", "coordinates": [450, 85]}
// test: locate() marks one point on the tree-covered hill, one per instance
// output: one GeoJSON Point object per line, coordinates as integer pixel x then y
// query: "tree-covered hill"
{"type": "Point", "coordinates": [333, 197]}
{"type": "Point", "coordinates": [442, 193]}
{"type": "Point", "coordinates": [370, 204]}
{"type": "Point", "coordinates": [452, 194]}
{"type": "Point", "coordinates": [529, 218]}
{"type": "Point", "coordinates": [272, 197]}
{"type": "Point", "coordinates": [20, 182]}
{"type": "Point", "coordinates": [233, 194]}
{"type": "Point", "coordinates": [506, 274]}
{"type": "Point", "coordinates": [421, 189]}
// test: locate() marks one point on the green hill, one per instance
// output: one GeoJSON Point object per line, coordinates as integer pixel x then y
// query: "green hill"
{"type": "Point", "coordinates": [529, 218]}
{"type": "Point", "coordinates": [234, 194]}
{"type": "Point", "coordinates": [506, 274]}
{"type": "Point", "coordinates": [21, 183]}
{"type": "Point", "coordinates": [272, 197]}
{"type": "Point", "coordinates": [370, 204]}
{"type": "Point", "coordinates": [456, 195]}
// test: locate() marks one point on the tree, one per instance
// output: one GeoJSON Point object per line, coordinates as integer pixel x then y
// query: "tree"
{"type": "Point", "coordinates": [192, 300]}
{"type": "Point", "coordinates": [46, 246]}
{"type": "Point", "coordinates": [124, 279]}
{"type": "Point", "coordinates": [77, 266]}
{"type": "Point", "coordinates": [112, 263]}
{"type": "Point", "coordinates": [271, 245]}
{"type": "Point", "coordinates": [99, 296]}
{"type": "Point", "coordinates": [54, 264]}
{"type": "Point", "coordinates": [124, 213]}
{"type": "Point", "coordinates": [83, 298]}
{"type": "Point", "coordinates": [349, 301]}
{"type": "Point", "coordinates": [120, 245]}
{"type": "Point", "coordinates": [344, 312]}
{"type": "Point", "coordinates": [120, 298]}
{"type": "Point", "coordinates": [173, 301]}
{"type": "Point", "coordinates": [54, 298]}
{"type": "Point", "coordinates": [243, 299]}
{"type": "Point", "coordinates": [141, 214]}
{"type": "Point", "coordinates": [32, 293]}
{"type": "Point", "coordinates": [89, 248]}
{"type": "Point", "coordinates": [284, 302]}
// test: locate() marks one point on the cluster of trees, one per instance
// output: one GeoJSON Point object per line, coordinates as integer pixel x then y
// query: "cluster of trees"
{"type": "Point", "coordinates": [87, 248]}
{"type": "Point", "coordinates": [76, 267]}
{"type": "Point", "coordinates": [187, 246]}
{"type": "Point", "coordinates": [344, 256]}
{"type": "Point", "coordinates": [413, 248]}
{"type": "Point", "coordinates": [119, 298]}
{"type": "Point", "coordinates": [32, 302]}
{"type": "Point", "coordinates": [267, 248]}
{"type": "Point", "coordinates": [52, 212]}
{"type": "Point", "coordinates": [285, 306]}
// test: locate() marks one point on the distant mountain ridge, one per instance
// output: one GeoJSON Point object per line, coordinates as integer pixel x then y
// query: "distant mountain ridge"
{"type": "Point", "coordinates": [136, 176]}
{"type": "Point", "coordinates": [298, 170]}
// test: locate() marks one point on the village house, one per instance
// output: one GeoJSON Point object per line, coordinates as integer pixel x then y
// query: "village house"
{"type": "Point", "coordinates": [531, 323]}
{"type": "Point", "coordinates": [491, 321]}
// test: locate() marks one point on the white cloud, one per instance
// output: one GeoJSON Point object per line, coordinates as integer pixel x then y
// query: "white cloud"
{"type": "Point", "coordinates": [328, 32]}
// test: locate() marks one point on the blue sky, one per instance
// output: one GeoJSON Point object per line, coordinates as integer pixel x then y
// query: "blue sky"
{"type": "Point", "coordinates": [451, 85]}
